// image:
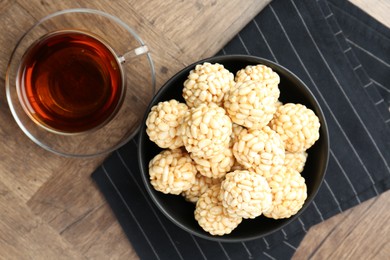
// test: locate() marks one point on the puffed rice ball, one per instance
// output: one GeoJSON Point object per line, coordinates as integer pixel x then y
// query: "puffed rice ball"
{"type": "Point", "coordinates": [207, 83]}
{"type": "Point", "coordinates": [217, 166]}
{"type": "Point", "coordinates": [212, 216]}
{"type": "Point", "coordinates": [251, 104]}
{"type": "Point", "coordinates": [201, 185]}
{"type": "Point", "coordinates": [259, 148]}
{"type": "Point", "coordinates": [245, 194]}
{"type": "Point", "coordinates": [295, 160]}
{"type": "Point", "coordinates": [297, 125]}
{"type": "Point", "coordinates": [260, 73]}
{"type": "Point", "coordinates": [172, 171]}
{"type": "Point", "coordinates": [206, 130]}
{"type": "Point", "coordinates": [163, 122]}
{"type": "Point", "coordinates": [289, 193]}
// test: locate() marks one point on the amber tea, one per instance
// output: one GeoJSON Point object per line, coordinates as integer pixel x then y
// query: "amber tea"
{"type": "Point", "coordinates": [70, 82]}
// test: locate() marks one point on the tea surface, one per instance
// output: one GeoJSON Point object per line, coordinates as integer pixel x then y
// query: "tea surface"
{"type": "Point", "coordinates": [70, 82]}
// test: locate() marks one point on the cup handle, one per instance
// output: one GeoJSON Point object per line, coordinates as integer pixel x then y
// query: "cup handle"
{"type": "Point", "coordinates": [133, 53]}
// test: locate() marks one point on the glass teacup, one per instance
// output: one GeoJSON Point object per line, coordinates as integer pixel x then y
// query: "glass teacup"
{"type": "Point", "coordinates": [79, 81]}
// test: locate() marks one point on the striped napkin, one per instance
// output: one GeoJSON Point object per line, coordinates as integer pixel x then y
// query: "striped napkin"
{"type": "Point", "coordinates": [342, 54]}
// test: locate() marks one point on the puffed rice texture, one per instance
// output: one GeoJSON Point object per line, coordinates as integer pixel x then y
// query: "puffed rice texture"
{"type": "Point", "coordinates": [216, 166]}
{"type": "Point", "coordinates": [172, 171]}
{"type": "Point", "coordinates": [206, 130]}
{"type": "Point", "coordinates": [297, 125]}
{"type": "Point", "coordinates": [296, 161]}
{"type": "Point", "coordinates": [212, 216]}
{"type": "Point", "coordinates": [261, 73]}
{"type": "Point", "coordinates": [163, 122]}
{"type": "Point", "coordinates": [207, 83]}
{"type": "Point", "coordinates": [289, 193]}
{"type": "Point", "coordinates": [251, 104]}
{"type": "Point", "coordinates": [259, 148]}
{"type": "Point", "coordinates": [245, 194]}
{"type": "Point", "coordinates": [201, 185]}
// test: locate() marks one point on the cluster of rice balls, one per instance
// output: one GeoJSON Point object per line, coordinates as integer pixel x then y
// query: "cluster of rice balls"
{"type": "Point", "coordinates": [232, 148]}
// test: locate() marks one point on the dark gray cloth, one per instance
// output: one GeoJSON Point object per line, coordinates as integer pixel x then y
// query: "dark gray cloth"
{"type": "Point", "coordinates": [343, 55]}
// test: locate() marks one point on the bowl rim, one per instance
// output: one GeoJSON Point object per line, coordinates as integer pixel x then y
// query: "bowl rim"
{"type": "Point", "coordinates": [221, 59]}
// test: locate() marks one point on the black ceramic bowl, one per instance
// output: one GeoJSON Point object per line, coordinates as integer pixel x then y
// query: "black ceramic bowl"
{"type": "Point", "coordinates": [179, 211]}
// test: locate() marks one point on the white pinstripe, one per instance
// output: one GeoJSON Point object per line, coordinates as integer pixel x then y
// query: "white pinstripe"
{"type": "Point", "coordinates": [313, 84]}
{"type": "Point", "coordinates": [130, 211]}
{"type": "Point", "coordinates": [193, 238]}
{"type": "Point", "coordinates": [265, 40]}
{"type": "Point", "coordinates": [243, 44]}
{"type": "Point", "coordinates": [246, 49]}
{"type": "Point", "coordinates": [345, 175]}
{"type": "Point", "coordinates": [250, 256]}
{"type": "Point", "coordinates": [198, 246]}
{"type": "Point", "coordinates": [196, 243]}
{"type": "Point", "coordinates": [368, 52]}
{"type": "Point", "coordinates": [302, 224]}
{"type": "Point", "coordinates": [380, 85]}
{"type": "Point", "coordinates": [347, 50]}
{"type": "Point", "coordinates": [342, 130]}
{"type": "Point", "coordinates": [318, 210]}
{"type": "Point", "coordinates": [268, 255]}
{"type": "Point", "coordinates": [284, 234]}
{"type": "Point", "coordinates": [379, 102]}
{"type": "Point", "coordinates": [319, 92]}
{"type": "Point", "coordinates": [224, 251]}
{"type": "Point", "coordinates": [289, 245]}
{"type": "Point", "coordinates": [368, 84]}
{"type": "Point", "coordinates": [333, 196]}
{"type": "Point", "coordinates": [150, 206]}
{"type": "Point", "coordinates": [266, 243]}
{"type": "Point", "coordinates": [342, 90]}
{"type": "Point", "coordinates": [328, 16]}
{"type": "Point", "coordinates": [357, 67]}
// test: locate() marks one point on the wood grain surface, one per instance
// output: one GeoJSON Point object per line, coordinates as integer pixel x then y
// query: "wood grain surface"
{"type": "Point", "coordinates": [379, 9]}
{"type": "Point", "coordinates": [50, 207]}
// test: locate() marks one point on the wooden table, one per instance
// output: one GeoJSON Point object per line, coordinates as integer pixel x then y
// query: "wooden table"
{"type": "Point", "coordinates": [50, 207]}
